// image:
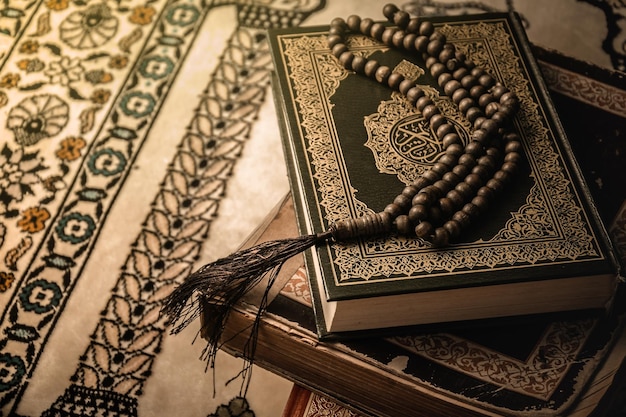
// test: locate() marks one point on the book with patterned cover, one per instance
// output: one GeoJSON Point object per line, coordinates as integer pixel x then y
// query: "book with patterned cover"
{"type": "Point", "coordinates": [550, 366]}
{"type": "Point", "coordinates": [351, 145]}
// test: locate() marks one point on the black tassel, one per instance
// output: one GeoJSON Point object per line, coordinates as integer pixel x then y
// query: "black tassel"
{"type": "Point", "coordinates": [217, 287]}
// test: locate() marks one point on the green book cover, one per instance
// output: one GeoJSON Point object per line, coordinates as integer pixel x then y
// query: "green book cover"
{"type": "Point", "coordinates": [352, 144]}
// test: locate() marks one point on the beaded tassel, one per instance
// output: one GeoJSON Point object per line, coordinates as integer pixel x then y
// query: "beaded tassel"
{"type": "Point", "coordinates": [436, 207]}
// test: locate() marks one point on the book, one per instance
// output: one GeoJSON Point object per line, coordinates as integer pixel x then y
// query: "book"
{"type": "Point", "coordinates": [545, 366]}
{"type": "Point", "coordinates": [557, 365]}
{"type": "Point", "coordinates": [541, 248]}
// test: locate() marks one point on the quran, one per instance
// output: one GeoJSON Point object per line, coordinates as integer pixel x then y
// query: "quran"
{"type": "Point", "coordinates": [351, 143]}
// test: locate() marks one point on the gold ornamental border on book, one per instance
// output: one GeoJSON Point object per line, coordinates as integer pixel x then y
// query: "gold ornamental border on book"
{"type": "Point", "coordinates": [533, 234]}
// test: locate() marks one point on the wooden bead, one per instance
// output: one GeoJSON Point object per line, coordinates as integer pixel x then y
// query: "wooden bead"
{"type": "Point", "coordinates": [513, 146]}
{"type": "Point", "coordinates": [424, 230]}
{"type": "Point", "coordinates": [388, 35]}
{"type": "Point", "coordinates": [382, 74]}
{"type": "Point", "coordinates": [479, 121]}
{"type": "Point", "coordinates": [405, 86]}
{"type": "Point", "coordinates": [481, 136]}
{"type": "Point", "coordinates": [451, 177]}
{"type": "Point", "coordinates": [444, 130]}
{"type": "Point", "coordinates": [492, 109]}
{"type": "Point", "coordinates": [474, 181]}
{"type": "Point", "coordinates": [421, 43]}
{"type": "Point", "coordinates": [462, 218]}
{"type": "Point", "coordinates": [464, 190]}
{"type": "Point", "coordinates": [336, 30]}
{"type": "Point", "coordinates": [410, 191]}
{"type": "Point", "coordinates": [477, 72]}
{"type": "Point", "coordinates": [398, 39]}
{"type": "Point", "coordinates": [498, 90]}
{"type": "Point", "coordinates": [467, 160]}
{"type": "Point", "coordinates": [354, 22]}
{"type": "Point", "coordinates": [453, 228]}
{"type": "Point", "coordinates": [486, 193]}
{"type": "Point", "coordinates": [432, 190]}
{"type": "Point", "coordinates": [509, 167]}
{"type": "Point", "coordinates": [408, 42]}
{"type": "Point", "coordinates": [415, 94]}
{"type": "Point", "coordinates": [454, 149]}
{"type": "Point", "coordinates": [473, 113]}
{"type": "Point", "coordinates": [334, 40]}
{"type": "Point", "coordinates": [443, 79]}
{"type": "Point", "coordinates": [448, 160]}
{"type": "Point", "coordinates": [447, 206]}
{"type": "Point", "coordinates": [431, 176]}
{"type": "Point", "coordinates": [452, 64]}
{"type": "Point", "coordinates": [417, 213]}
{"type": "Point", "coordinates": [451, 139]}
{"type": "Point", "coordinates": [502, 176]}
{"type": "Point", "coordinates": [438, 36]}
{"type": "Point", "coordinates": [446, 54]}
{"type": "Point", "coordinates": [402, 201]}
{"type": "Point", "coordinates": [421, 182]}
{"type": "Point", "coordinates": [436, 121]}
{"type": "Point", "coordinates": [422, 199]}
{"type": "Point", "coordinates": [404, 225]}
{"type": "Point", "coordinates": [338, 49]}
{"type": "Point", "coordinates": [490, 126]}
{"type": "Point", "coordinates": [494, 113]}
{"type": "Point", "coordinates": [441, 237]}
{"type": "Point", "coordinates": [434, 48]}
{"type": "Point", "coordinates": [485, 99]}
{"type": "Point", "coordinates": [366, 25]}
{"type": "Point", "coordinates": [459, 94]}
{"type": "Point", "coordinates": [477, 91]}
{"type": "Point", "coordinates": [437, 69]}
{"type": "Point", "coordinates": [468, 82]}
{"type": "Point", "coordinates": [481, 203]}
{"type": "Point", "coordinates": [456, 197]}
{"type": "Point", "coordinates": [460, 72]}
{"type": "Point", "coordinates": [358, 64]}
{"type": "Point", "coordinates": [377, 30]}
{"type": "Point", "coordinates": [429, 111]}
{"type": "Point", "coordinates": [461, 170]}
{"type": "Point", "coordinates": [346, 59]}
{"type": "Point", "coordinates": [514, 157]}
{"type": "Point", "coordinates": [451, 87]}
{"type": "Point", "coordinates": [413, 25]}
{"type": "Point", "coordinates": [401, 18]}
{"type": "Point", "coordinates": [440, 169]}
{"type": "Point", "coordinates": [493, 151]}
{"type": "Point", "coordinates": [393, 210]}
{"type": "Point", "coordinates": [423, 102]}
{"type": "Point", "coordinates": [389, 10]}
{"type": "Point", "coordinates": [394, 80]}
{"type": "Point", "coordinates": [338, 22]}
{"type": "Point", "coordinates": [495, 185]}
{"type": "Point", "coordinates": [474, 148]}
{"type": "Point", "coordinates": [483, 172]}
{"type": "Point", "coordinates": [430, 61]}
{"type": "Point", "coordinates": [486, 80]}
{"type": "Point", "coordinates": [370, 68]}
{"type": "Point", "coordinates": [471, 210]}
{"type": "Point", "coordinates": [466, 104]}
{"type": "Point", "coordinates": [426, 28]}
{"type": "Point", "coordinates": [443, 186]}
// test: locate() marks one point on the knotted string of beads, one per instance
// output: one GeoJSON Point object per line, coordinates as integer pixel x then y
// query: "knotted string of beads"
{"type": "Point", "coordinates": [445, 199]}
